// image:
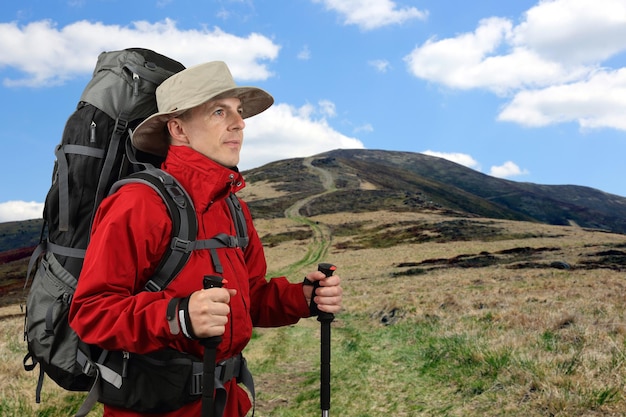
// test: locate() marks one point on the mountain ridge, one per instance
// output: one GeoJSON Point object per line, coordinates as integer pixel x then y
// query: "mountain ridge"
{"type": "Point", "coordinates": [409, 181]}
{"type": "Point", "coordinates": [371, 180]}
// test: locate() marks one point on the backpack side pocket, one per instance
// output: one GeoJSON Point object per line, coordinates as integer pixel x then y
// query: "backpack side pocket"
{"type": "Point", "coordinates": [51, 341]}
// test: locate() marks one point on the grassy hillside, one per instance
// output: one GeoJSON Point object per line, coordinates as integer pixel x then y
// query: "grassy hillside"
{"type": "Point", "coordinates": [443, 316]}
{"type": "Point", "coordinates": [16, 235]}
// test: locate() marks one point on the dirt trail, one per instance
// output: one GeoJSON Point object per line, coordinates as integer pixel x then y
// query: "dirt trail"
{"type": "Point", "coordinates": [321, 233]}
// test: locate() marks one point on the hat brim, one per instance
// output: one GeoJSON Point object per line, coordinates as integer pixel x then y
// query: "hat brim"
{"type": "Point", "coordinates": [151, 135]}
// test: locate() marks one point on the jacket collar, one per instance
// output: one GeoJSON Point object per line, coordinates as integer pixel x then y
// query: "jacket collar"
{"type": "Point", "coordinates": [204, 179]}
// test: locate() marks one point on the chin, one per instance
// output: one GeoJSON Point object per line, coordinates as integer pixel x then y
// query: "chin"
{"type": "Point", "coordinates": [231, 164]}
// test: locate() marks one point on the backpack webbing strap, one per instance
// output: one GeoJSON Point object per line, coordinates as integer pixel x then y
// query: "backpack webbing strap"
{"type": "Point", "coordinates": [41, 248]}
{"type": "Point", "coordinates": [100, 372]}
{"type": "Point", "coordinates": [63, 177]}
{"type": "Point", "coordinates": [121, 126]}
{"type": "Point", "coordinates": [184, 223]}
{"type": "Point", "coordinates": [240, 221]}
{"type": "Point", "coordinates": [223, 240]}
{"type": "Point", "coordinates": [65, 250]}
{"type": "Point", "coordinates": [236, 367]}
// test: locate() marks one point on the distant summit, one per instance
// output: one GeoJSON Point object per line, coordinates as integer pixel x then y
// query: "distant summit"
{"type": "Point", "coordinates": [370, 180]}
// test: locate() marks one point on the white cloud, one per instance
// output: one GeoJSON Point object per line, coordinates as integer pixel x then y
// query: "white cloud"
{"type": "Point", "coordinates": [597, 102]}
{"type": "Point", "coordinates": [507, 170]}
{"type": "Point", "coordinates": [380, 65]}
{"type": "Point", "coordinates": [66, 52]}
{"type": "Point", "coordinates": [574, 31]}
{"type": "Point", "coordinates": [284, 131]}
{"type": "Point", "coordinates": [223, 14]}
{"type": "Point", "coordinates": [367, 128]}
{"type": "Point", "coordinates": [305, 53]}
{"type": "Point", "coordinates": [20, 210]}
{"type": "Point", "coordinates": [459, 158]}
{"type": "Point", "coordinates": [327, 108]}
{"type": "Point", "coordinates": [372, 14]}
{"type": "Point", "coordinates": [551, 66]}
{"type": "Point", "coordinates": [483, 60]}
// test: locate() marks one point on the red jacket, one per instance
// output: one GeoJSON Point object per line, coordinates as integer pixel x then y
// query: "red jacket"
{"type": "Point", "coordinates": [130, 234]}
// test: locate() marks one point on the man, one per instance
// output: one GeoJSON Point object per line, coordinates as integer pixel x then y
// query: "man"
{"type": "Point", "coordinates": [199, 128]}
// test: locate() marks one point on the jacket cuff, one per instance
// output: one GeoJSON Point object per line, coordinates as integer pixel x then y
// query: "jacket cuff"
{"type": "Point", "coordinates": [304, 309]}
{"type": "Point", "coordinates": [172, 316]}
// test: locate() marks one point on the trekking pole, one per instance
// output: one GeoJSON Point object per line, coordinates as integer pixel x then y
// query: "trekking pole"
{"type": "Point", "coordinates": [325, 319]}
{"type": "Point", "coordinates": [210, 352]}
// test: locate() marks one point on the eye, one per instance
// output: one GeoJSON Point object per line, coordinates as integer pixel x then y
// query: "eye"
{"type": "Point", "coordinates": [219, 112]}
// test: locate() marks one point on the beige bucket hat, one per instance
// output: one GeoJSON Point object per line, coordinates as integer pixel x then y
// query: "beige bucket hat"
{"type": "Point", "coordinates": [190, 88]}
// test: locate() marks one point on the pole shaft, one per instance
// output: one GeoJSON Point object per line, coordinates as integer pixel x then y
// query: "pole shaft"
{"type": "Point", "coordinates": [325, 366]}
{"type": "Point", "coordinates": [325, 319]}
{"type": "Point", "coordinates": [210, 352]}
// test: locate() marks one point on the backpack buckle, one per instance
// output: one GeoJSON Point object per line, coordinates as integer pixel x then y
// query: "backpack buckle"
{"type": "Point", "coordinates": [180, 244]}
{"type": "Point", "coordinates": [233, 242]}
{"type": "Point", "coordinates": [152, 286]}
{"type": "Point", "coordinates": [89, 369]}
{"type": "Point", "coordinates": [196, 379]}
{"type": "Point", "coordinates": [121, 124]}
{"type": "Point", "coordinates": [228, 369]}
{"type": "Point", "coordinates": [227, 241]}
{"type": "Point", "coordinates": [177, 194]}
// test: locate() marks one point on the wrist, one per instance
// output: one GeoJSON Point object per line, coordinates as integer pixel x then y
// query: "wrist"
{"type": "Point", "coordinates": [184, 319]}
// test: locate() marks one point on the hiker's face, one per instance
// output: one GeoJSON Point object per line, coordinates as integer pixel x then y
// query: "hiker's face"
{"type": "Point", "coordinates": [215, 129]}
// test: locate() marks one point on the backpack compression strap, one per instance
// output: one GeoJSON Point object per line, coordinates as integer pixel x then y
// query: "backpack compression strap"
{"type": "Point", "coordinates": [120, 129]}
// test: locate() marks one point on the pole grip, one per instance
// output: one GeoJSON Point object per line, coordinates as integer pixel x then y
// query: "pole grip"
{"type": "Point", "coordinates": [212, 281]}
{"type": "Point", "coordinates": [328, 270]}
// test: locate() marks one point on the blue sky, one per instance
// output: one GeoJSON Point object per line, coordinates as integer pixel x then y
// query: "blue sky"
{"type": "Point", "coordinates": [531, 91]}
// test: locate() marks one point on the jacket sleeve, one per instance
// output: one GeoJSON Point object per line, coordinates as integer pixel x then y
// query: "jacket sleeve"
{"type": "Point", "coordinates": [274, 302]}
{"type": "Point", "coordinates": [130, 234]}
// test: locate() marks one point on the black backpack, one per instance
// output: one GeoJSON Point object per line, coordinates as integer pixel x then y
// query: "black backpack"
{"type": "Point", "coordinates": [94, 158]}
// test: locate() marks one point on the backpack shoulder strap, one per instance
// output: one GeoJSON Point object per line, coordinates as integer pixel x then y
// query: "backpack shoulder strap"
{"type": "Point", "coordinates": [240, 221]}
{"type": "Point", "coordinates": [185, 225]}
{"type": "Point", "coordinates": [184, 222]}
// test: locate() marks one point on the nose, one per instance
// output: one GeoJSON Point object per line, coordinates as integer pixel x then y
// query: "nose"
{"type": "Point", "coordinates": [238, 123]}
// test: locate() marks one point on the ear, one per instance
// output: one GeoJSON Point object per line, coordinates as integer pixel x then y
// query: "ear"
{"type": "Point", "coordinates": [177, 131]}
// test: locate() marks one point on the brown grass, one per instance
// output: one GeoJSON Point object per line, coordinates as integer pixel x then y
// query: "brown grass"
{"type": "Point", "coordinates": [570, 323]}
{"type": "Point", "coordinates": [565, 328]}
